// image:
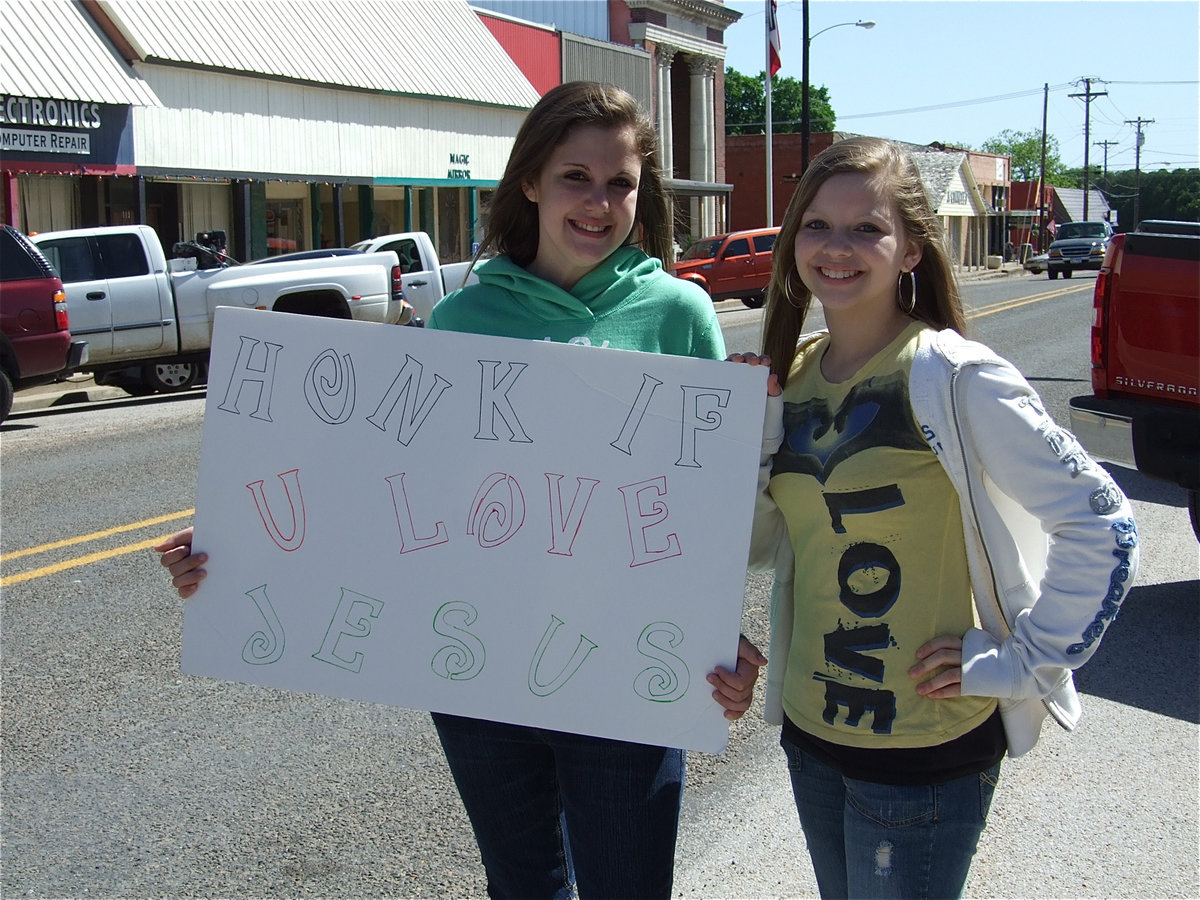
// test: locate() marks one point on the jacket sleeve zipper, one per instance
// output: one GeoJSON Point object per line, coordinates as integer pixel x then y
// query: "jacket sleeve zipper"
{"type": "Point", "coordinates": [962, 449]}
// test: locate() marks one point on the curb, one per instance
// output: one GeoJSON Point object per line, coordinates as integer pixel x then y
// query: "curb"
{"type": "Point", "coordinates": [64, 394]}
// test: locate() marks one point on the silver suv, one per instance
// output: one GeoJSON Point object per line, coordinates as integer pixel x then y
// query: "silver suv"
{"type": "Point", "coordinates": [1078, 245]}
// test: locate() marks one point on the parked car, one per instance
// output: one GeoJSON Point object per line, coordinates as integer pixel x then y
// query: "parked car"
{"type": "Point", "coordinates": [35, 337]}
{"type": "Point", "coordinates": [729, 266]}
{"type": "Point", "coordinates": [1037, 264]}
{"type": "Point", "coordinates": [1078, 245]}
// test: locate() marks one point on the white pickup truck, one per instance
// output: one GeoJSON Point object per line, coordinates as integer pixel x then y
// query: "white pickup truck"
{"type": "Point", "coordinates": [148, 320]}
{"type": "Point", "coordinates": [426, 280]}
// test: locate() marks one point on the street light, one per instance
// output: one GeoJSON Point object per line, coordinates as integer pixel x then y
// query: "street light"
{"type": "Point", "coordinates": [804, 87]}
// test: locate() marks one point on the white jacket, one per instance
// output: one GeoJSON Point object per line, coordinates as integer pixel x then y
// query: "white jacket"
{"type": "Point", "coordinates": [1051, 542]}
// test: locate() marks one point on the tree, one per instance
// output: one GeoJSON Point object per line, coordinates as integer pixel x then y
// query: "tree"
{"type": "Point", "coordinates": [1025, 150]}
{"type": "Point", "coordinates": [1164, 195]}
{"type": "Point", "coordinates": [746, 105]}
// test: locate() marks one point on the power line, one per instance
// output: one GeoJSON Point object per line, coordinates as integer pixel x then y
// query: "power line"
{"type": "Point", "coordinates": [956, 103]}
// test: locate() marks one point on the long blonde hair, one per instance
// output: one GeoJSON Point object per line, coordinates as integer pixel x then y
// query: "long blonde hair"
{"type": "Point", "coordinates": [513, 218]}
{"type": "Point", "coordinates": [938, 302]}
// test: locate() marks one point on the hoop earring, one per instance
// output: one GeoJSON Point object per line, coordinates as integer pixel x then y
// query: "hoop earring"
{"type": "Point", "coordinates": [912, 303]}
{"type": "Point", "coordinates": [787, 290]}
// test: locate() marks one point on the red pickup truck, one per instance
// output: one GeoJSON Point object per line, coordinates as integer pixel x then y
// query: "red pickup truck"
{"type": "Point", "coordinates": [1144, 411]}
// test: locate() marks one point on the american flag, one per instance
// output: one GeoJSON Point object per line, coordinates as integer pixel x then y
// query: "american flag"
{"type": "Point", "coordinates": [773, 37]}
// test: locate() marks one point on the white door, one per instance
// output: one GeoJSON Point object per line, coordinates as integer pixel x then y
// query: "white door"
{"type": "Point", "coordinates": [142, 308]}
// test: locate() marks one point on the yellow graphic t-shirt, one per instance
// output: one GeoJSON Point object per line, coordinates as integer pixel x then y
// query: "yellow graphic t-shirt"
{"type": "Point", "coordinates": [881, 565]}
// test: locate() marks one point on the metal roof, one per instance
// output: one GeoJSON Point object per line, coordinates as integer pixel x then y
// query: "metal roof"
{"type": "Point", "coordinates": [424, 48]}
{"type": "Point", "coordinates": [1070, 201]}
{"type": "Point", "coordinates": [54, 49]}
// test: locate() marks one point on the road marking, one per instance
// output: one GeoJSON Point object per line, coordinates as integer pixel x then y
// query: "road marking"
{"type": "Point", "coordinates": [91, 557]}
{"type": "Point", "coordinates": [79, 561]}
{"type": "Point", "coordinates": [95, 535]}
{"type": "Point", "coordinates": [1013, 303]}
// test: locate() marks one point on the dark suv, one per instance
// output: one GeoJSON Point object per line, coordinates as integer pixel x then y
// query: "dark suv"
{"type": "Point", "coordinates": [1078, 245]}
{"type": "Point", "coordinates": [35, 340]}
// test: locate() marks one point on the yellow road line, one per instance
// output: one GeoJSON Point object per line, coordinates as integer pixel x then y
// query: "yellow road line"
{"type": "Point", "coordinates": [1013, 303]}
{"type": "Point", "coordinates": [96, 535]}
{"type": "Point", "coordinates": [79, 561]}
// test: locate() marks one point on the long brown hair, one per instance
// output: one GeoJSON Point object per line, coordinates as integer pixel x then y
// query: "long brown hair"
{"type": "Point", "coordinates": [513, 219]}
{"type": "Point", "coordinates": [938, 302]}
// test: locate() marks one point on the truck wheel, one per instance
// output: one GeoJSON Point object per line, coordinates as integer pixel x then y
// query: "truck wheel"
{"type": "Point", "coordinates": [166, 378]}
{"type": "Point", "coordinates": [1193, 502]}
{"type": "Point", "coordinates": [755, 301]}
{"type": "Point", "coordinates": [1052, 274]}
{"type": "Point", "coordinates": [6, 402]}
{"type": "Point", "coordinates": [1066, 273]}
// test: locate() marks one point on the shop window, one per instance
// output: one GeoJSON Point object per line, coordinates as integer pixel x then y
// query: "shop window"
{"type": "Point", "coordinates": [451, 219]}
{"type": "Point", "coordinates": [48, 202]}
{"type": "Point", "coordinates": [285, 226]}
{"type": "Point", "coordinates": [288, 217]}
{"type": "Point", "coordinates": [206, 207]}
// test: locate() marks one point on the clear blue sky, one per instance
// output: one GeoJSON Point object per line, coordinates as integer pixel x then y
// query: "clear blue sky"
{"type": "Point", "coordinates": [960, 57]}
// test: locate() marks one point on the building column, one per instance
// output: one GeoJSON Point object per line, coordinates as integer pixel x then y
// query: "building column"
{"type": "Point", "coordinates": [666, 55]}
{"type": "Point", "coordinates": [703, 157]}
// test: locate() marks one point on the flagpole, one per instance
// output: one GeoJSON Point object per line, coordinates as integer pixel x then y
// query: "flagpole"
{"type": "Point", "coordinates": [770, 19]}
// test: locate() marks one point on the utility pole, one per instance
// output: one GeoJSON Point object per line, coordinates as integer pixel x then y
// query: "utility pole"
{"type": "Point", "coordinates": [1137, 167]}
{"type": "Point", "coordinates": [1088, 96]}
{"type": "Point", "coordinates": [805, 125]}
{"type": "Point", "coordinates": [1106, 145]}
{"type": "Point", "coordinates": [1041, 241]}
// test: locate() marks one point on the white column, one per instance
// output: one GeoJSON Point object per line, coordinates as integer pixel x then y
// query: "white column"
{"type": "Point", "coordinates": [666, 123]}
{"type": "Point", "coordinates": [701, 112]}
{"type": "Point", "coordinates": [711, 142]}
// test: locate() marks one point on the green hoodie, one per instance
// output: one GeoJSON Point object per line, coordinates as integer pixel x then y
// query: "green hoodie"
{"type": "Point", "coordinates": [627, 302]}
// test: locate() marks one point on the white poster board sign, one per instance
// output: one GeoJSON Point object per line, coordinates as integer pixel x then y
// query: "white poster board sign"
{"type": "Point", "coordinates": [545, 534]}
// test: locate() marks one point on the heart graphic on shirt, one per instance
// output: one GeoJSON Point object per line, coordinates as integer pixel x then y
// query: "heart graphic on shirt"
{"type": "Point", "coordinates": [875, 413]}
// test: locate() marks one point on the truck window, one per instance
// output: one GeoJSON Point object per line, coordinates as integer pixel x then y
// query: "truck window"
{"type": "Point", "coordinates": [764, 243]}
{"type": "Point", "coordinates": [1082, 230]}
{"type": "Point", "coordinates": [740, 247]}
{"type": "Point", "coordinates": [406, 250]}
{"type": "Point", "coordinates": [123, 255]}
{"type": "Point", "coordinates": [72, 257]}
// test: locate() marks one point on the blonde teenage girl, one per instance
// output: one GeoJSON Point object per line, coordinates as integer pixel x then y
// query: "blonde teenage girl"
{"type": "Point", "coordinates": [944, 553]}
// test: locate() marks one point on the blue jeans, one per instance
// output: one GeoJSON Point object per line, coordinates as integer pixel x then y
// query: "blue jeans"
{"type": "Point", "coordinates": [552, 810]}
{"type": "Point", "coordinates": [885, 840]}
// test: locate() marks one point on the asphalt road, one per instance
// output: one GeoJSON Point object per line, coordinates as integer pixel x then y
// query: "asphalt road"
{"type": "Point", "coordinates": [123, 778]}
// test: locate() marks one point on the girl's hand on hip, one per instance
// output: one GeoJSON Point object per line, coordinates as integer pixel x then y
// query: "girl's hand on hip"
{"type": "Point", "coordinates": [943, 656]}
